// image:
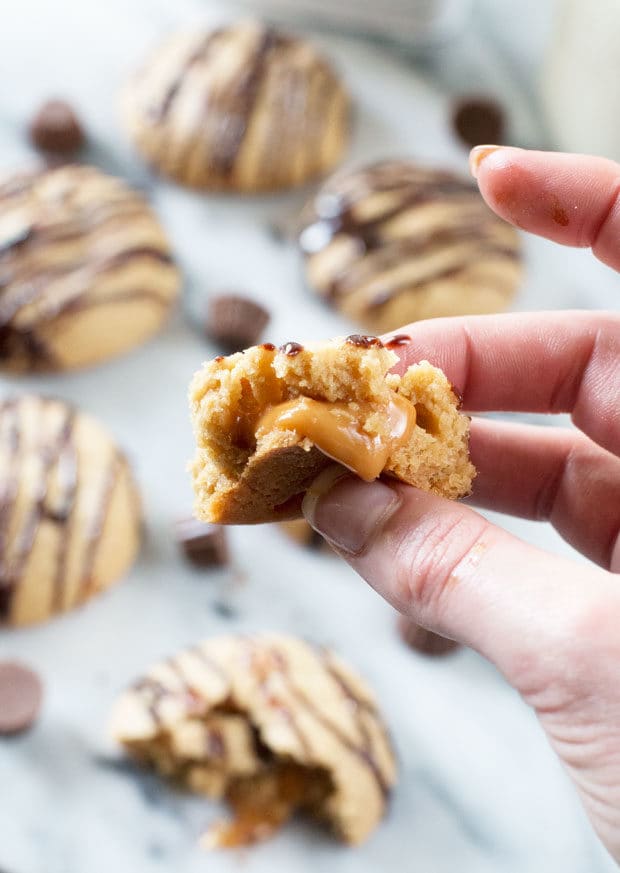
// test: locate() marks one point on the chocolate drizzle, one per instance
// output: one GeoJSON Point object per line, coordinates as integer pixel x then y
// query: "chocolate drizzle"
{"type": "Point", "coordinates": [235, 105]}
{"type": "Point", "coordinates": [52, 500]}
{"type": "Point", "coordinates": [363, 342]}
{"type": "Point", "coordinates": [220, 83]}
{"type": "Point", "coordinates": [158, 113]}
{"type": "Point", "coordinates": [291, 349]}
{"type": "Point", "coordinates": [60, 261]}
{"type": "Point", "coordinates": [346, 210]}
{"type": "Point", "coordinates": [362, 751]}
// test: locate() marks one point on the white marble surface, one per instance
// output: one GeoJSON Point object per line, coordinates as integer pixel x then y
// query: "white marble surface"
{"type": "Point", "coordinates": [480, 790]}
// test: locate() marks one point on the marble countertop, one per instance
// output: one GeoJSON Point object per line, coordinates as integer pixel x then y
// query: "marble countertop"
{"type": "Point", "coordinates": [480, 790]}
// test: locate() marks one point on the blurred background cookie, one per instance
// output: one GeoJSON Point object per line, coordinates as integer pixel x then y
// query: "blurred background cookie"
{"type": "Point", "coordinates": [243, 107]}
{"type": "Point", "coordinates": [394, 242]}
{"type": "Point", "coordinates": [86, 271]}
{"type": "Point", "coordinates": [270, 723]}
{"type": "Point", "coordinates": [70, 520]}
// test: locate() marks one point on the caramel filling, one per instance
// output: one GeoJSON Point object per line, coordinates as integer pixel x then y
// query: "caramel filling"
{"type": "Point", "coordinates": [337, 431]}
{"type": "Point", "coordinates": [262, 805]}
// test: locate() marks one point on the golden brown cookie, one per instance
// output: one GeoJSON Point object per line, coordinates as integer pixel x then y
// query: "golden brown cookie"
{"type": "Point", "coordinates": [70, 521]}
{"type": "Point", "coordinates": [395, 242]}
{"type": "Point", "coordinates": [243, 107]}
{"type": "Point", "coordinates": [270, 723]}
{"type": "Point", "coordinates": [86, 271]}
{"type": "Point", "coordinates": [267, 421]}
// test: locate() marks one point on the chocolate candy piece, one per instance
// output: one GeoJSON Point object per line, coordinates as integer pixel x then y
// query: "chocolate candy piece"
{"type": "Point", "coordinates": [205, 545]}
{"type": "Point", "coordinates": [235, 322]}
{"type": "Point", "coordinates": [20, 697]}
{"type": "Point", "coordinates": [478, 121]}
{"type": "Point", "coordinates": [56, 128]}
{"type": "Point", "coordinates": [424, 641]}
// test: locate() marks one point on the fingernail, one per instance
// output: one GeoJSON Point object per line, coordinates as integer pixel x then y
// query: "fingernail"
{"type": "Point", "coordinates": [349, 513]}
{"type": "Point", "coordinates": [477, 155]}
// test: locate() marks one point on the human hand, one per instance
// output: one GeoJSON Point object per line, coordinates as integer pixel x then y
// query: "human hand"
{"type": "Point", "coordinates": [550, 625]}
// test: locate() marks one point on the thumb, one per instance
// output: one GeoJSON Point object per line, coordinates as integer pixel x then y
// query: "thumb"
{"type": "Point", "coordinates": [449, 569]}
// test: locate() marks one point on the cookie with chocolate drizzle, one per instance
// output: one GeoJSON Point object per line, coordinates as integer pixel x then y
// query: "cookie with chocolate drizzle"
{"type": "Point", "coordinates": [242, 108]}
{"type": "Point", "coordinates": [395, 242]}
{"type": "Point", "coordinates": [269, 723]}
{"type": "Point", "coordinates": [267, 421]}
{"type": "Point", "coordinates": [70, 518]}
{"type": "Point", "coordinates": [86, 271]}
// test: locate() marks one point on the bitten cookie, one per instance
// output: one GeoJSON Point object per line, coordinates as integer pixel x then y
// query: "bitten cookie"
{"type": "Point", "coordinates": [85, 269]}
{"type": "Point", "coordinates": [70, 520]}
{"type": "Point", "coordinates": [243, 107]}
{"type": "Point", "coordinates": [395, 242]}
{"type": "Point", "coordinates": [269, 723]}
{"type": "Point", "coordinates": [268, 420]}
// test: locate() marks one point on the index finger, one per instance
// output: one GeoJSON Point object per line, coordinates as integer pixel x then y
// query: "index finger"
{"type": "Point", "coordinates": [529, 362]}
{"type": "Point", "coordinates": [571, 199]}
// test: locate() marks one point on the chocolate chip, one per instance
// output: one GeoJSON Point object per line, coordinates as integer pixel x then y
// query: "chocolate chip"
{"type": "Point", "coordinates": [291, 349]}
{"type": "Point", "coordinates": [478, 120]}
{"type": "Point", "coordinates": [424, 641]}
{"type": "Point", "coordinates": [363, 342]}
{"type": "Point", "coordinates": [20, 697]}
{"type": "Point", "coordinates": [56, 128]}
{"type": "Point", "coordinates": [235, 322]}
{"type": "Point", "coordinates": [204, 545]}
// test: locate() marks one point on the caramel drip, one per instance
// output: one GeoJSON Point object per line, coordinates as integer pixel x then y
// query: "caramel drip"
{"type": "Point", "coordinates": [336, 430]}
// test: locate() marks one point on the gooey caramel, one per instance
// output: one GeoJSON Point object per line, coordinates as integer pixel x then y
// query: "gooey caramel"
{"type": "Point", "coordinates": [337, 431]}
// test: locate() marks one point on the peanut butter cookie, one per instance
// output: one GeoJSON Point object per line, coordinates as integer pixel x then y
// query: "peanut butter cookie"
{"type": "Point", "coordinates": [268, 420]}
{"type": "Point", "coordinates": [70, 520]}
{"type": "Point", "coordinates": [243, 108]}
{"type": "Point", "coordinates": [269, 723]}
{"type": "Point", "coordinates": [395, 242]}
{"type": "Point", "coordinates": [86, 271]}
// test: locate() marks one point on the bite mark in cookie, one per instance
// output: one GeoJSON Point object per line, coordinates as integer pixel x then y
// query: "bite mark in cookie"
{"type": "Point", "coordinates": [269, 723]}
{"type": "Point", "coordinates": [267, 421]}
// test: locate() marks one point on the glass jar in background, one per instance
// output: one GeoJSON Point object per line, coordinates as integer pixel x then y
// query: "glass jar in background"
{"type": "Point", "coordinates": [581, 78]}
{"type": "Point", "coordinates": [413, 22]}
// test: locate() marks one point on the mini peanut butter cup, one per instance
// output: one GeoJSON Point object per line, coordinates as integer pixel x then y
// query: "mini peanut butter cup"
{"type": "Point", "coordinates": [56, 128]}
{"type": "Point", "coordinates": [478, 120]}
{"type": "Point", "coordinates": [204, 545]}
{"type": "Point", "coordinates": [235, 322]}
{"type": "Point", "coordinates": [21, 693]}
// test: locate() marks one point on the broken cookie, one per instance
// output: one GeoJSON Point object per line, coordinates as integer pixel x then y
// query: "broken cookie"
{"type": "Point", "coordinates": [272, 725]}
{"type": "Point", "coordinates": [268, 420]}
